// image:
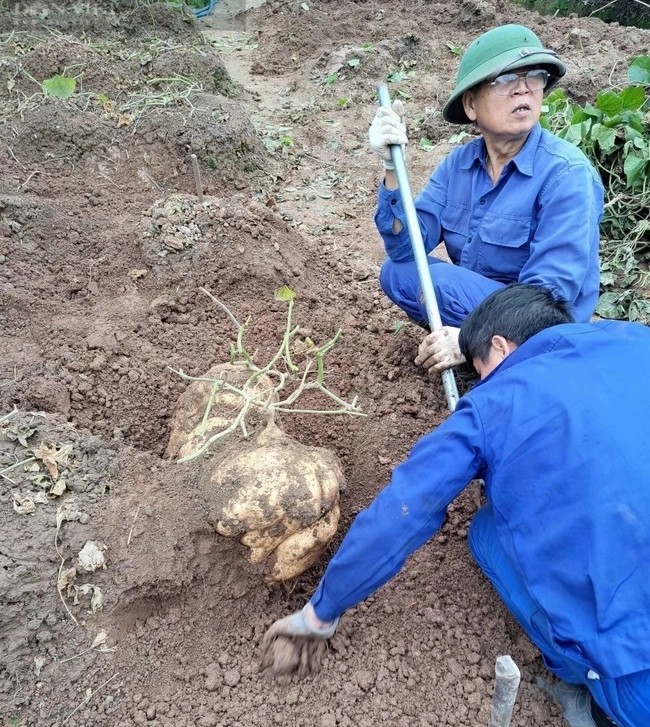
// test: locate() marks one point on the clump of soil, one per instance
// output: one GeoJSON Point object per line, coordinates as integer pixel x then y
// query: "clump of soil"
{"type": "Point", "coordinates": [104, 249]}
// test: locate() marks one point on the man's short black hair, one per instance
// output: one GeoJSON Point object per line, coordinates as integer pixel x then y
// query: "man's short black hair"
{"type": "Point", "coordinates": [515, 312]}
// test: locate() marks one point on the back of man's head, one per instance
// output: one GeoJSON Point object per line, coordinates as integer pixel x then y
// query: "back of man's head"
{"type": "Point", "coordinates": [515, 312]}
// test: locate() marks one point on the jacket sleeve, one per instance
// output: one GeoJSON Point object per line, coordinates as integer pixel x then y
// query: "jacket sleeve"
{"type": "Point", "coordinates": [565, 245]}
{"type": "Point", "coordinates": [405, 514]}
{"type": "Point", "coordinates": [429, 205]}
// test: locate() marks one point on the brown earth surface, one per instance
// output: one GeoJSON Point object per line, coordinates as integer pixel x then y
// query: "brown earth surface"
{"type": "Point", "coordinates": [104, 249]}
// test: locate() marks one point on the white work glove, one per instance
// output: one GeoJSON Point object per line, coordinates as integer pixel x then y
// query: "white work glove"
{"type": "Point", "coordinates": [574, 699]}
{"type": "Point", "coordinates": [388, 128]}
{"type": "Point", "coordinates": [296, 643]}
{"type": "Point", "coordinates": [303, 623]}
{"type": "Point", "coordinates": [439, 350]}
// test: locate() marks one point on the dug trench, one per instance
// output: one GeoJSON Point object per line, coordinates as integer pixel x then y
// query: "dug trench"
{"type": "Point", "coordinates": [106, 252]}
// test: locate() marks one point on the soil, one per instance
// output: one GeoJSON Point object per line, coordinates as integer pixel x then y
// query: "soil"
{"type": "Point", "coordinates": [104, 250]}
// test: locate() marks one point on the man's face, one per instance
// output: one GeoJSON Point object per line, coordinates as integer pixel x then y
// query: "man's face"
{"type": "Point", "coordinates": [509, 116]}
{"type": "Point", "coordinates": [500, 349]}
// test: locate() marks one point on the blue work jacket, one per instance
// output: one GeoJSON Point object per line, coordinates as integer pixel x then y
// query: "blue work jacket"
{"type": "Point", "coordinates": [559, 432]}
{"type": "Point", "coordinates": [539, 224]}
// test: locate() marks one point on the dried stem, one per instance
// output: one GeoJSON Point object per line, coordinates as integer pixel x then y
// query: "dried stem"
{"type": "Point", "coordinates": [135, 517]}
{"type": "Point", "coordinates": [87, 699]}
{"type": "Point", "coordinates": [17, 464]}
{"type": "Point", "coordinates": [269, 399]}
{"type": "Point", "coordinates": [58, 588]}
{"type": "Point", "coordinates": [197, 178]}
{"type": "Point", "coordinates": [223, 307]}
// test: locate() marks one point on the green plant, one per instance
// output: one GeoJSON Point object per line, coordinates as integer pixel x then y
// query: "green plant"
{"type": "Point", "coordinates": [297, 366]}
{"type": "Point", "coordinates": [59, 86]}
{"type": "Point", "coordinates": [614, 132]}
{"type": "Point", "coordinates": [331, 79]}
{"type": "Point", "coordinates": [398, 76]}
{"type": "Point", "coordinates": [625, 12]}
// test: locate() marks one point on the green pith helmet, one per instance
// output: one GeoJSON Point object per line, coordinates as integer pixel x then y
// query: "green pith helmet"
{"type": "Point", "coordinates": [504, 48]}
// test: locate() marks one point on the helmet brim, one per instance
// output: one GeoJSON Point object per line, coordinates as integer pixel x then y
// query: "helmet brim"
{"type": "Point", "coordinates": [453, 110]}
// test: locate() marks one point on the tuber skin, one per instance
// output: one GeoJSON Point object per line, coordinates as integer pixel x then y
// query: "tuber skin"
{"type": "Point", "coordinates": [278, 497]}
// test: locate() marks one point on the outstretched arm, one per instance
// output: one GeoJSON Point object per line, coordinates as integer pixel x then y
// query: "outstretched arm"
{"type": "Point", "coordinates": [405, 514]}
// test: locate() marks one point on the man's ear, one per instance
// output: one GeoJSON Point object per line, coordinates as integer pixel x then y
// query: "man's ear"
{"type": "Point", "coordinates": [502, 346]}
{"type": "Point", "coordinates": [468, 105]}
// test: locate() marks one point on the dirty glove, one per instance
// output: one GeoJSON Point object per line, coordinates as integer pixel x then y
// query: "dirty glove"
{"type": "Point", "coordinates": [574, 699]}
{"type": "Point", "coordinates": [296, 643]}
{"type": "Point", "coordinates": [439, 350]}
{"type": "Point", "coordinates": [388, 128]}
{"type": "Point", "coordinates": [303, 623]}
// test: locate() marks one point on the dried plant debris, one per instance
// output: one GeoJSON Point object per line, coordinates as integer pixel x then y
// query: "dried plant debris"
{"type": "Point", "coordinates": [95, 593]}
{"type": "Point", "coordinates": [91, 556]}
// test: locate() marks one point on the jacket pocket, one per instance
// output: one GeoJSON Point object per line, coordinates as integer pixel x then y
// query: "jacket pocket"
{"type": "Point", "coordinates": [504, 246]}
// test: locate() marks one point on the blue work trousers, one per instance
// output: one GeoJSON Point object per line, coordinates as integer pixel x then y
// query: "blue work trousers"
{"type": "Point", "coordinates": [458, 290]}
{"type": "Point", "coordinates": [626, 700]}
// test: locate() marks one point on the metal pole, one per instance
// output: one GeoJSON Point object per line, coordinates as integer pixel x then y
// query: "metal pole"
{"type": "Point", "coordinates": [505, 691]}
{"type": "Point", "coordinates": [417, 243]}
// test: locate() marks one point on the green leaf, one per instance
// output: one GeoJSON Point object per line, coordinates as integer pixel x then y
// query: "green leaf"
{"type": "Point", "coordinates": [557, 98]}
{"type": "Point", "coordinates": [607, 278]}
{"type": "Point", "coordinates": [426, 144]}
{"type": "Point", "coordinates": [605, 137]}
{"type": "Point", "coordinates": [396, 77]}
{"type": "Point", "coordinates": [576, 133]}
{"type": "Point", "coordinates": [331, 79]}
{"type": "Point", "coordinates": [457, 138]}
{"type": "Point", "coordinates": [589, 111]}
{"type": "Point", "coordinates": [639, 70]}
{"type": "Point", "coordinates": [633, 166]}
{"type": "Point", "coordinates": [611, 305]}
{"type": "Point", "coordinates": [609, 102]}
{"type": "Point", "coordinates": [353, 62]}
{"type": "Point", "coordinates": [639, 142]}
{"type": "Point", "coordinates": [455, 49]}
{"type": "Point", "coordinates": [60, 86]}
{"type": "Point", "coordinates": [639, 311]}
{"type": "Point", "coordinates": [284, 293]}
{"type": "Point", "coordinates": [632, 98]}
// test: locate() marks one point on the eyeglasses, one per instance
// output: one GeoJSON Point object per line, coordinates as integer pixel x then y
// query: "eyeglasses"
{"type": "Point", "coordinates": [507, 83]}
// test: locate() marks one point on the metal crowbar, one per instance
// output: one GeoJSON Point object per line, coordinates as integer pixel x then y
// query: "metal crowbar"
{"type": "Point", "coordinates": [417, 243]}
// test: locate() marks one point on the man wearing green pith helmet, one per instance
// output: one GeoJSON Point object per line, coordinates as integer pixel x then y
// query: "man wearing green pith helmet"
{"type": "Point", "coordinates": [513, 205]}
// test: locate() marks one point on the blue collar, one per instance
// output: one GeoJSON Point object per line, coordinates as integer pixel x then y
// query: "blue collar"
{"type": "Point", "coordinates": [525, 159]}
